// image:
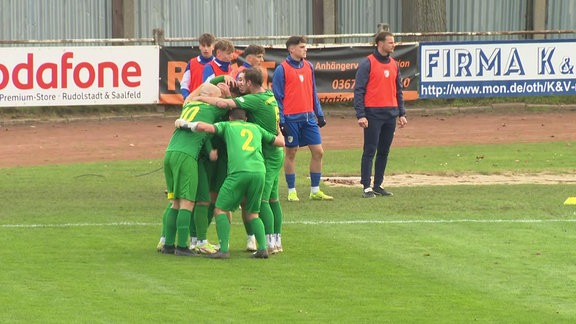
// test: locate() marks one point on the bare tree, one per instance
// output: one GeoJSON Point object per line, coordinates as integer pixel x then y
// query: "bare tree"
{"type": "Point", "coordinates": [421, 16]}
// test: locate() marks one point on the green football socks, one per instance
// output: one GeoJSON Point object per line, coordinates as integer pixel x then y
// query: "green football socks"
{"type": "Point", "coordinates": [165, 217]}
{"type": "Point", "coordinates": [183, 227]}
{"type": "Point", "coordinates": [258, 228]}
{"type": "Point", "coordinates": [248, 228]}
{"type": "Point", "coordinates": [201, 221]}
{"type": "Point", "coordinates": [223, 230]}
{"type": "Point", "coordinates": [210, 213]}
{"type": "Point", "coordinates": [171, 227]}
{"type": "Point", "coordinates": [193, 227]}
{"type": "Point", "coordinates": [278, 215]}
{"type": "Point", "coordinates": [267, 217]}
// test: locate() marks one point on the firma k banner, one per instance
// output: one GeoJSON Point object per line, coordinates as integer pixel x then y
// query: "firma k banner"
{"type": "Point", "coordinates": [497, 68]}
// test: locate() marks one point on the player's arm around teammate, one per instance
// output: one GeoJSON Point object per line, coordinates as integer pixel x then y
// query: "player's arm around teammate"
{"type": "Point", "coordinates": [262, 109]}
{"type": "Point", "coordinates": [181, 175]}
{"type": "Point", "coordinates": [246, 173]}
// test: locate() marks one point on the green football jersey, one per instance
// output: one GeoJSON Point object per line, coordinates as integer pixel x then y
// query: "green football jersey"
{"type": "Point", "coordinates": [201, 111]}
{"type": "Point", "coordinates": [188, 142]}
{"type": "Point", "coordinates": [244, 145]}
{"type": "Point", "coordinates": [262, 109]}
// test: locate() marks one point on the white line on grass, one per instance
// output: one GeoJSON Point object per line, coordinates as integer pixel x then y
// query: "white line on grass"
{"type": "Point", "coordinates": [350, 222]}
{"type": "Point", "coordinates": [433, 221]}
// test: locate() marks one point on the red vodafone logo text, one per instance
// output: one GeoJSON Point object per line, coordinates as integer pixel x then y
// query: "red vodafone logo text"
{"type": "Point", "coordinates": [53, 75]}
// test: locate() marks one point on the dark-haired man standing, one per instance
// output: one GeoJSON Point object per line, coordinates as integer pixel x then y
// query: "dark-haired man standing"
{"type": "Point", "coordinates": [379, 104]}
{"type": "Point", "coordinates": [301, 115]}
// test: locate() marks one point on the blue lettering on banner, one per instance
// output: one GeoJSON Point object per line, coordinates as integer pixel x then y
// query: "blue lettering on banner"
{"type": "Point", "coordinates": [463, 62]}
{"type": "Point", "coordinates": [566, 67]}
{"type": "Point", "coordinates": [498, 68]}
{"type": "Point", "coordinates": [497, 89]}
{"type": "Point", "coordinates": [514, 64]}
{"type": "Point", "coordinates": [545, 58]}
{"type": "Point", "coordinates": [467, 65]}
{"type": "Point", "coordinates": [491, 63]}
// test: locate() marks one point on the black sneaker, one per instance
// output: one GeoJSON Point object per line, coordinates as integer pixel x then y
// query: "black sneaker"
{"type": "Point", "coordinates": [368, 193]}
{"type": "Point", "coordinates": [185, 251]}
{"type": "Point", "coordinates": [218, 255]}
{"type": "Point", "coordinates": [381, 191]}
{"type": "Point", "coordinates": [168, 249]}
{"type": "Point", "coordinates": [260, 254]}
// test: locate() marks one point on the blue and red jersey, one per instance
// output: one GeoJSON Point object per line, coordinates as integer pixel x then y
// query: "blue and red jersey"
{"type": "Point", "coordinates": [192, 77]}
{"type": "Point", "coordinates": [215, 68]}
{"type": "Point", "coordinates": [378, 87]}
{"type": "Point", "coordinates": [294, 87]}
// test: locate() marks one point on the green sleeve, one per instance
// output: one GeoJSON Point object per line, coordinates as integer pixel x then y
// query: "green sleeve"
{"type": "Point", "coordinates": [208, 145]}
{"type": "Point", "coordinates": [216, 80]}
{"type": "Point", "coordinates": [267, 137]}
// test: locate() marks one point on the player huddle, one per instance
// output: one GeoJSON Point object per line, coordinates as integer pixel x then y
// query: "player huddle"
{"type": "Point", "coordinates": [228, 148]}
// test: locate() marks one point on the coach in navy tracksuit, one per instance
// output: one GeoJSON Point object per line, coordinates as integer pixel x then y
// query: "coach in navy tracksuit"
{"type": "Point", "coordinates": [379, 104]}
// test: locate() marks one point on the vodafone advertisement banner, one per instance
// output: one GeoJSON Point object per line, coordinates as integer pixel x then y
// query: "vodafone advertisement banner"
{"type": "Point", "coordinates": [70, 76]}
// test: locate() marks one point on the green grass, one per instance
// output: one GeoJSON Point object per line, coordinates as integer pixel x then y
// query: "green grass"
{"type": "Point", "coordinates": [78, 245]}
{"type": "Point", "coordinates": [557, 157]}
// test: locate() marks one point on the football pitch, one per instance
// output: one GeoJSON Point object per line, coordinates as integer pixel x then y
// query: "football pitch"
{"type": "Point", "coordinates": [78, 245]}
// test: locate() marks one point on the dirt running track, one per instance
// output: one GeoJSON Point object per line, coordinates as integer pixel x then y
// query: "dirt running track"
{"type": "Point", "coordinates": [39, 143]}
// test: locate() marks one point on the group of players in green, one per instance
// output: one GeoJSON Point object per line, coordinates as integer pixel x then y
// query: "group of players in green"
{"type": "Point", "coordinates": [212, 166]}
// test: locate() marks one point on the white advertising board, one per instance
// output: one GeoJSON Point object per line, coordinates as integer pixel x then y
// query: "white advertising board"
{"type": "Point", "coordinates": [70, 76]}
{"type": "Point", "coordinates": [498, 68]}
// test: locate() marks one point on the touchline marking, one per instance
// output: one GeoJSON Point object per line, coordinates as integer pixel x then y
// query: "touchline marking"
{"type": "Point", "coordinates": [434, 221]}
{"type": "Point", "coordinates": [350, 222]}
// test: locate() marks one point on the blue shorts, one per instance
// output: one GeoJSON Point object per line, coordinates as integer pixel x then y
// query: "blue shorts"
{"type": "Point", "coordinates": [303, 133]}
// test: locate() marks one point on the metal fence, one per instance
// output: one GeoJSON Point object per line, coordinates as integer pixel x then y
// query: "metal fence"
{"type": "Point", "coordinates": [41, 23]}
